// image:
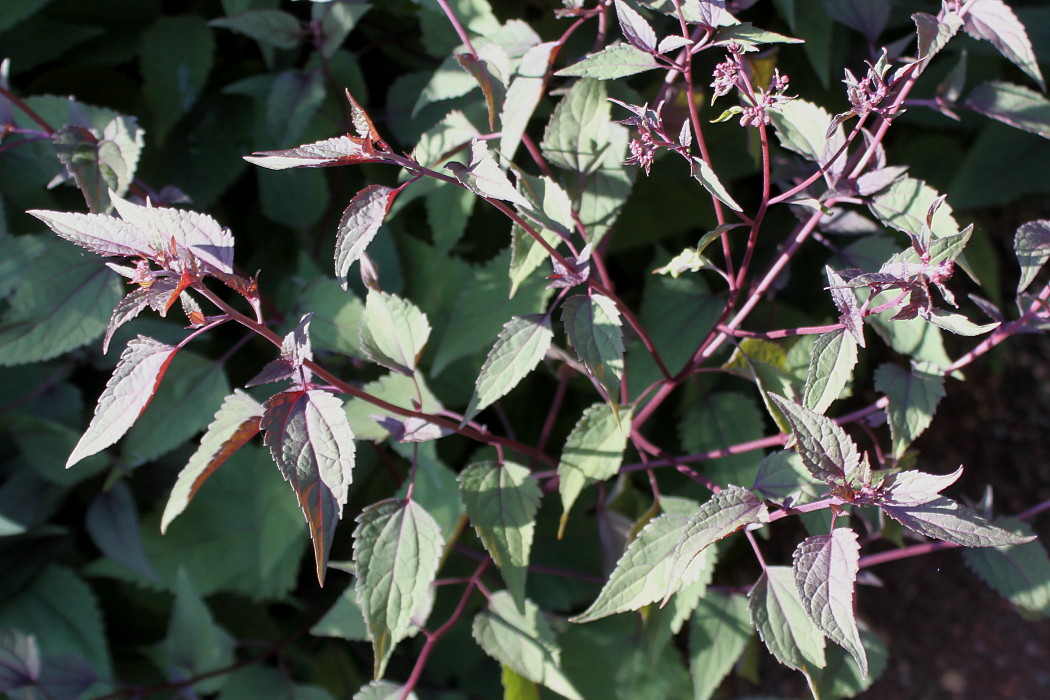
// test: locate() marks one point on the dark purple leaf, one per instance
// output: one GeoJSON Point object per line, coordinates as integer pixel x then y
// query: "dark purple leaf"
{"type": "Point", "coordinates": [994, 21]}
{"type": "Point", "coordinates": [577, 273]}
{"type": "Point", "coordinates": [827, 451]}
{"type": "Point", "coordinates": [944, 519]}
{"type": "Point", "coordinates": [411, 429]}
{"type": "Point", "coordinates": [878, 180]}
{"type": "Point", "coordinates": [934, 33]}
{"type": "Point", "coordinates": [156, 296]}
{"type": "Point", "coordinates": [490, 81]}
{"type": "Point", "coordinates": [1018, 106]}
{"type": "Point", "coordinates": [359, 225]}
{"type": "Point", "coordinates": [66, 677]}
{"type": "Point", "coordinates": [846, 303]}
{"type": "Point", "coordinates": [635, 29]}
{"type": "Point", "coordinates": [112, 521]}
{"type": "Point", "coordinates": [1032, 246]}
{"type": "Point", "coordinates": [128, 392]}
{"type": "Point", "coordinates": [274, 371]}
{"type": "Point", "coordinates": [868, 17]}
{"type": "Point", "coordinates": [19, 660]}
{"type": "Point", "coordinates": [310, 439]}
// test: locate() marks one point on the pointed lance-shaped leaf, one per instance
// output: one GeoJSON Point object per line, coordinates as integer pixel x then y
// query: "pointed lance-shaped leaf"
{"type": "Point", "coordinates": [718, 634]}
{"type": "Point", "coordinates": [113, 523]}
{"type": "Point", "coordinates": [397, 549]}
{"type": "Point", "coordinates": [501, 501]}
{"type": "Point", "coordinates": [235, 423]}
{"type": "Point", "coordinates": [312, 444]}
{"type": "Point", "coordinates": [831, 364]}
{"type": "Point", "coordinates": [846, 302]}
{"type": "Point", "coordinates": [915, 488]}
{"type": "Point", "coordinates": [703, 174]}
{"type": "Point", "coordinates": [727, 511]}
{"type": "Point", "coordinates": [521, 345]}
{"type": "Point", "coordinates": [393, 331]}
{"type": "Point", "coordinates": [825, 568]}
{"type": "Point", "coordinates": [616, 61]}
{"type": "Point", "coordinates": [635, 28]}
{"type": "Point", "coordinates": [1016, 105]}
{"type": "Point", "coordinates": [524, 641]}
{"type": "Point", "coordinates": [593, 452]}
{"type": "Point", "coordinates": [913, 395]}
{"type": "Point", "coordinates": [483, 176]}
{"type": "Point", "coordinates": [341, 150]}
{"type": "Point", "coordinates": [489, 79]}
{"type": "Point", "coordinates": [359, 225]}
{"type": "Point", "coordinates": [592, 323]}
{"type": "Point", "coordinates": [103, 235]}
{"type": "Point", "coordinates": [943, 519]}
{"type": "Point", "coordinates": [827, 451]}
{"type": "Point", "coordinates": [1032, 247]}
{"type": "Point", "coordinates": [779, 616]}
{"type": "Point", "coordinates": [994, 21]}
{"type": "Point", "coordinates": [640, 575]}
{"type": "Point", "coordinates": [1020, 572]}
{"type": "Point", "coordinates": [127, 393]}
{"type": "Point", "coordinates": [155, 296]}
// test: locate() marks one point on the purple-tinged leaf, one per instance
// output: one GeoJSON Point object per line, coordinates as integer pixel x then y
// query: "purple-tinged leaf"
{"type": "Point", "coordinates": [670, 43]}
{"type": "Point", "coordinates": [959, 324]}
{"type": "Point", "coordinates": [489, 78]}
{"type": "Point", "coordinates": [994, 21]}
{"type": "Point", "coordinates": [990, 309]}
{"type": "Point", "coordinates": [397, 549]}
{"type": "Point", "coordinates": [834, 355]}
{"type": "Point", "coordinates": [341, 150]}
{"type": "Point", "coordinates": [825, 569]}
{"type": "Point", "coordinates": [363, 123]}
{"type": "Point", "coordinates": [198, 235]}
{"type": "Point", "coordinates": [1032, 247]}
{"type": "Point", "coordinates": [1020, 572]}
{"type": "Point", "coordinates": [273, 371]}
{"type": "Point", "coordinates": [616, 61]}
{"type": "Point", "coordinates": [563, 277]}
{"type": "Point", "coordinates": [311, 441]}
{"type": "Point", "coordinates": [915, 488]}
{"type": "Point", "coordinates": [113, 523]}
{"type": "Point", "coordinates": [779, 615]}
{"type": "Point", "coordinates": [914, 395]}
{"type": "Point", "coordinates": [157, 296]}
{"type": "Point", "coordinates": [19, 660]}
{"type": "Point", "coordinates": [521, 345]}
{"type": "Point", "coordinates": [746, 34]}
{"type": "Point", "coordinates": [868, 17]}
{"type": "Point", "coordinates": [235, 423]}
{"type": "Point", "coordinates": [524, 93]}
{"type": "Point", "coordinates": [709, 13]}
{"type": "Point", "coordinates": [944, 519]}
{"type": "Point", "coordinates": [91, 162]}
{"type": "Point", "coordinates": [878, 180]}
{"type": "Point", "coordinates": [359, 225]}
{"type": "Point", "coordinates": [66, 677]}
{"type": "Point", "coordinates": [393, 332]}
{"type": "Point", "coordinates": [727, 511]}
{"type": "Point", "coordinates": [411, 429]}
{"type": "Point", "coordinates": [635, 28]}
{"type": "Point", "coordinates": [103, 235]}
{"type": "Point", "coordinates": [483, 176]}
{"type": "Point", "coordinates": [593, 326]}
{"type": "Point", "coordinates": [827, 451]}
{"type": "Point", "coordinates": [501, 500]}
{"type": "Point", "coordinates": [934, 34]}
{"type": "Point", "coordinates": [127, 393]}
{"type": "Point", "coordinates": [1016, 105]}
{"type": "Point", "coordinates": [846, 302]}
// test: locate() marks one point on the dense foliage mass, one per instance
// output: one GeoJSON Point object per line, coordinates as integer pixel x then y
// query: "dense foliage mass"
{"type": "Point", "coordinates": [592, 337]}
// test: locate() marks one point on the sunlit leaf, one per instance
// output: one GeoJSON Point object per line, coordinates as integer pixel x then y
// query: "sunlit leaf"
{"type": "Point", "coordinates": [635, 28]}
{"type": "Point", "coordinates": [196, 237]}
{"type": "Point", "coordinates": [934, 33]}
{"type": "Point", "coordinates": [128, 392]}
{"type": "Point", "coordinates": [943, 519]}
{"type": "Point", "coordinates": [915, 488]}
{"type": "Point", "coordinates": [521, 345]}
{"type": "Point", "coordinates": [959, 324]}
{"type": "Point", "coordinates": [384, 690]}
{"type": "Point", "coordinates": [393, 331]}
{"type": "Point", "coordinates": [592, 323]}
{"type": "Point", "coordinates": [780, 618]}
{"type": "Point", "coordinates": [1032, 247]}
{"type": "Point", "coordinates": [501, 501]}
{"type": "Point", "coordinates": [341, 150]}
{"type": "Point", "coordinates": [593, 452]}
{"type": "Point", "coordinates": [825, 448]}
{"type": "Point", "coordinates": [523, 95]}
{"type": "Point", "coordinates": [312, 443]}
{"type": "Point", "coordinates": [359, 225]}
{"type": "Point", "coordinates": [825, 569]}
{"type": "Point", "coordinates": [718, 634]}
{"type": "Point", "coordinates": [397, 548]}
{"type": "Point", "coordinates": [994, 21]}
{"type": "Point", "coordinates": [703, 174]}
{"type": "Point", "coordinates": [522, 641]}
{"type": "Point", "coordinates": [846, 302]}
{"type": "Point", "coordinates": [615, 61]}
{"type": "Point", "coordinates": [831, 365]}
{"type": "Point", "coordinates": [483, 176]}
{"type": "Point", "coordinates": [236, 422]}
{"type": "Point", "coordinates": [576, 134]}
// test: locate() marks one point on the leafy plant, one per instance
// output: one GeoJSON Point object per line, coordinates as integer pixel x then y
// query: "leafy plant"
{"type": "Point", "coordinates": [566, 434]}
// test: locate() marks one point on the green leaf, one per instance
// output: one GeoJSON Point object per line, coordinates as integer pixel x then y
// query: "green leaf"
{"type": "Point", "coordinates": [236, 422]}
{"type": "Point", "coordinates": [15, 11]}
{"type": "Point", "coordinates": [943, 519]}
{"type": "Point", "coordinates": [258, 681]}
{"type": "Point", "coordinates": [640, 575]}
{"type": "Point", "coordinates": [523, 96]}
{"type": "Point", "coordinates": [765, 363]}
{"type": "Point", "coordinates": [522, 641]}
{"type": "Point", "coordinates": [489, 71]}
{"type": "Point", "coordinates": [176, 60]}
{"type": "Point", "coordinates": [435, 487]}
{"type": "Point", "coordinates": [718, 420]}
{"type": "Point", "coordinates": [593, 452]}
{"type": "Point", "coordinates": [717, 636]}
{"type": "Point", "coordinates": [62, 301]}
{"type": "Point", "coordinates": [841, 678]}
{"type": "Point", "coordinates": [778, 614]}
{"type": "Point", "coordinates": [311, 441]}
{"type": "Point", "coordinates": [195, 644]}
{"type": "Point", "coordinates": [344, 619]}
{"type": "Point", "coordinates": [64, 616]}
{"type": "Point", "coordinates": [113, 523]}
{"type": "Point", "coordinates": [959, 324]}
{"type": "Point", "coordinates": [678, 314]}
{"type": "Point", "coordinates": [359, 225]}
{"type": "Point", "coordinates": [384, 690]}
{"type": "Point", "coordinates": [397, 548]}
{"type": "Point", "coordinates": [393, 331]}
{"type": "Point", "coordinates": [592, 323]}
{"type": "Point", "coordinates": [703, 174]}
{"type": "Point", "coordinates": [295, 200]}
{"type": "Point", "coordinates": [830, 367]}
{"type": "Point", "coordinates": [336, 316]}
{"type": "Point", "coordinates": [782, 476]}
{"type": "Point", "coordinates": [727, 511]}
{"type": "Point", "coordinates": [825, 569]}
{"type": "Point", "coordinates": [616, 61]}
{"type": "Point", "coordinates": [128, 392]}
{"type": "Point", "coordinates": [517, 686]}
{"type": "Point", "coordinates": [914, 395]}
{"type": "Point", "coordinates": [905, 204]}
{"type": "Point", "coordinates": [1020, 572]}
{"type": "Point", "coordinates": [395, 388]}
{"type": "Point", "coordinates": [274, 27]}
{"type": "Point", "coordinates": [336, 20]}
{"type": "Point", "coordinates": [520, 346]}
{"type": "Point", "coordinates": [746, 34]}
{"type": "Point", "coordinates": [1032, 246]}
{"type": "Point", "coordinates": [501, 501]}
{"type": "Point", "coordinates": [448, 211]}
{"type": "Point", "coordinates": [294, 98]}
{"type": "Point", "coordinates": [827, 451]}
{"type": "Point", "coordinates": [483, 176]}
{"type": "Point", "coordinates": [194, 389]}
{"type": "Point", "coordinates": [577, 132]}
{"type": "Point", "coordinates": [802, 127]}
